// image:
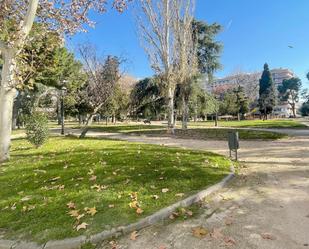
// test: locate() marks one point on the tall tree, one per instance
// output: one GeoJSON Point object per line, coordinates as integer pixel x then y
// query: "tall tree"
{"type": "Point", "coordinates": [208, 48]}
{"type": "Point", "coordinates": [147, 98]}
{"type": "Point", "coordinates": [103, 76]}
{"type": "Point", "coordinates": [16, 21]}
{"type": "Point", "coordinates": [242, 102]}
{"type": "Point", "coordinates": [159, 24]}
{"type": "Point", "coordinates": [267, 93]}
{"type": "Point", "coordinates": [289, 91]}
{"type": "Point", "coordinates": [228, 103]}
{"type": "Point", "coordinates": [186, 58]}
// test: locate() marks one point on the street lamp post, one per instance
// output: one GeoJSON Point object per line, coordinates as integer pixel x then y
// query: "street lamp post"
{"type": "Point", "coordinates": [63, 91]}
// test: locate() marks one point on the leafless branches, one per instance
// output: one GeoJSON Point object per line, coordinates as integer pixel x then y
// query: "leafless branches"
{"type": "Point", "coordinates": [103, 76]}
{"type": "Point", "coordinates": [166, 32]}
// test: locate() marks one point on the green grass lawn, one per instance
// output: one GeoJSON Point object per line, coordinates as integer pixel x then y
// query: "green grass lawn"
{"type": "Point", "coordinates": [213, 134]}
{"type": "Point", "coordinates": [124, 128]}
{"type": "Point", "coordinates": [197, 132]}
{"type": "Point", "coordinates": [37, 184]}
{"type": "Point", "coordinates": [275, 123]}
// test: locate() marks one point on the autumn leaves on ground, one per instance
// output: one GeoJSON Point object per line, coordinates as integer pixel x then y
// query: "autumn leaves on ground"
{"type": "Point", "coordinates": [70, 187]}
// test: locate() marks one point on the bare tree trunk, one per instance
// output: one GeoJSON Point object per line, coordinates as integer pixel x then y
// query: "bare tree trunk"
{"type": "Point", "coordinates": [294, 110]}
{"type": "Point", "coordinates": [195, 113]}
{"type": "Point", "coordinates": [185, 114]}
{"type": "Point", "coordinates": [7, 94]}
{"type": "Point", "coordinates": [86, 127]}
{"type": "Point", "coordinates": [170, 108]}
{"type": "Point", "coordinates": [7, 88]}
{"type": "Point", "coordinates": [216, 119]}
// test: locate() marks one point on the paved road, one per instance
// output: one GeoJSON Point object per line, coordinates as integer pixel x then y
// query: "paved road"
{"type": "Point", "coordinates": [265, 207]}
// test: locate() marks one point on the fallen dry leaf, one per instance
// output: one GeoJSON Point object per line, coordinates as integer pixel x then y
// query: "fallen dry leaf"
{"type": "Point", "coordinates": [156, 197]}
{"type": "Point", "coordinates": [134, 204]}
{"type": "Point", "coordinates": [71, 205]}
{"type": "Point", "coordinates": [180, 195]}
{"type": "Point", "coordinates": [134, 235]}
{"type": "Point", "coordinates": [113, 244]}
{"type": "Point", "coordinates": [133, 196]}
{"type": "Point", "coordinates": [189, 213]}
{"type": "Point", "coordinates": [61, 187]}
{"type": "Point", "coordinates": [200, 232]}
{"type": "Point", "coordinates": [216, 233]}
{"type": "Point", "coordinates": [111, 205]}
{"type": "Point", "coordinates": [172, 217]}
{"type": "Point", "coordinates": [93, 178]}
{"type": "Point", "coordinates": [165, 190]}
{"type": "Point", "coordinates": [74, 213]}
{"type": "Point", "coordinates": [55, 179]}
{"type": "Point", "coordinates": [139, 211]}
{"type": "Point", "coordinates": [82, 226]}
{"type": "Point", "coordinates": [26, 198]}
{"type": "Point", "coordinates": [229, 241]}
{"type": "Point", "coordinates": [80, 216]}
{"type": "Point", "coordinates": [268, 236]}
{"type": "Point", "coordinates": [92, 211]}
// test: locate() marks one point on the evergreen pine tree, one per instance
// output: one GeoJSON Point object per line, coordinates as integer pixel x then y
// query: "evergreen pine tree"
{"type": "Point", "coordinates": [267, 93]}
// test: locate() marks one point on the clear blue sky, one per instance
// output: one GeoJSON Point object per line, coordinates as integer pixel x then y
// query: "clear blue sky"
{"type": "Point", "coordinates": [255, 32]}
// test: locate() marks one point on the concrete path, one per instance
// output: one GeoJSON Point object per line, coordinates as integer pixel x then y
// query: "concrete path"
{"type": "Point", "coordinates": [266, 206]}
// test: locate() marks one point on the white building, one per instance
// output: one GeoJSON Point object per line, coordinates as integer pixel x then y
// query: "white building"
{"type": "Point", "coordinates": [250, 83]}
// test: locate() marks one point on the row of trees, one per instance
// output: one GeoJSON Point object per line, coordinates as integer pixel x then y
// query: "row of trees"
{"type": "Point", "coordinates": [36, 65]}
{"type": "Point", "coordinates": [16, 23]}
{"type": "Point", "coordinates": [34, 59]}
{"type": "Point", "coordinates": [179, 49]}
{"type": "Point", "coordinates": [287, 92]}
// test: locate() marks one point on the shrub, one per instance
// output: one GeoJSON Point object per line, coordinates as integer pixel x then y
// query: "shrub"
{"type": "Point", "coordinates": [37, 129]}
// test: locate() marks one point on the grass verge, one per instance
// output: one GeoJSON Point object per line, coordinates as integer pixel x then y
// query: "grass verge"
{"type": "Point", "coordinates": [213, 134]}
{"type": "Point", "coordinates": [47, 193]}
{"type": "Point", "coordinates": [275, 123]}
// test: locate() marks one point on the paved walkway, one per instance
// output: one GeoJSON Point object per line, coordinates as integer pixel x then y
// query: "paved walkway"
{"type": "Point", "coordinates": [266, 206]}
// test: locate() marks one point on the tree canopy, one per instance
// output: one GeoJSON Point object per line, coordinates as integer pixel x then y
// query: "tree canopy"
{"type": "Point", "coordinates": [267, 92]}
{"type": "Point", "coordinates": [208, 49]}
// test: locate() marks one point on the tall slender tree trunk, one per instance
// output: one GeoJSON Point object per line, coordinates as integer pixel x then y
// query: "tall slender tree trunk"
{"type": "Point", "coordinates": [7, 94]}
{"type": "Point", "coordinates": [59, 111]}
{"type": "Point", "coordinates": [195, 112]}
{"type": "Point", "coordinates": [86, 127]}
{"type": "Point", "coordinates": [185, 115]}
{"type": "Point", "coordinates": [294, 110]}
{"type": "Point", "coordinates": [170, 108]}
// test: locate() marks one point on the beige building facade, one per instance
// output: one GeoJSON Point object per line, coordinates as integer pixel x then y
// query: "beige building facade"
{"type": "Point", "coordinates": [250, 83]}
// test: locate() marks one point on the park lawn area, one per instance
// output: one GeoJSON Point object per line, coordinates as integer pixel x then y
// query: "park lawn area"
{"type": "Point", "coordinates": [275, 123]}
{"type": "Point", "coordinates": [213, 134]}
{"type": "Point", "coordinates": [196, 132]}
{"type": "Point", "coordinates": [37, 184]}
{"type": "Point", "coordinates": [123, 128]}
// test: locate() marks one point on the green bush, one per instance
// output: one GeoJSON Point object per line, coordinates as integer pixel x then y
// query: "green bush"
{"type": "Point", "coordinates": [37, 129]}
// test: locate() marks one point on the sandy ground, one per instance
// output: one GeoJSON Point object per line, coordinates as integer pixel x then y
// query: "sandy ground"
{"type": "Point", "coordinates": [266, 206]}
